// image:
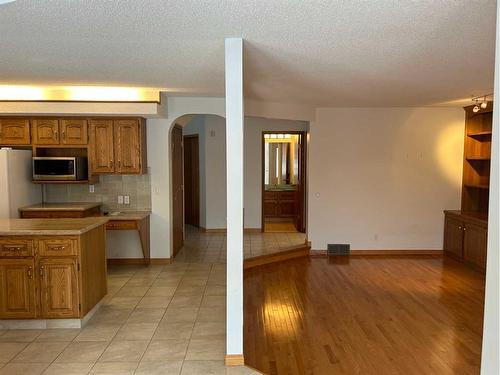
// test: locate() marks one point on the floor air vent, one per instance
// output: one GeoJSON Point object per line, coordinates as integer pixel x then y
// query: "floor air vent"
{"type": "Point", "coordinates": [338, 249]}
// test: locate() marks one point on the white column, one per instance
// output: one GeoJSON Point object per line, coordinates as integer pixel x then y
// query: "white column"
{"type": "Point", "coordinates": [234, 169]}
{"type": "Point", "coordinates": [490, 363]}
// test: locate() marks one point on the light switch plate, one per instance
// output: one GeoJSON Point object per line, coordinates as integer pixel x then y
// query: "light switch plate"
{"type": "Point", "coordinates": [126, 199]}
{"type": "Point", "coordinates": [120, 199]}
{"type": "Point", "coordinates": [91, 188]}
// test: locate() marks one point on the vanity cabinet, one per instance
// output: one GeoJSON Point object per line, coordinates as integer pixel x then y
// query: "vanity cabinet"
{"type": "Point", "coordinates": [280, 204]}
{"type": "Point", "coordinates": [117, 146]}
{"type": "Point", "coordinates": [14, 131]}
{"type": "Point", "coordinates": [48, 131]}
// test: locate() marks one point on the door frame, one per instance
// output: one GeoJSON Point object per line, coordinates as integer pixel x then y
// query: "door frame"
{"type": "Point", "coordinates": [302, 174]}
{"type": "Point", "coordinates": [191, 136]}
{"type": "Point", "coordinates": [172, 193]}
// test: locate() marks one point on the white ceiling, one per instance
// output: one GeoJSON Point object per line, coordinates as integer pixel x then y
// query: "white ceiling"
{"type": "Point", "coordinates": [321, 52]}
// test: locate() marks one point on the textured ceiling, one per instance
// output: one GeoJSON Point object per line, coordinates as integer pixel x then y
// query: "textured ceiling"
{"type": "Point", "coordinates": [320, 53]}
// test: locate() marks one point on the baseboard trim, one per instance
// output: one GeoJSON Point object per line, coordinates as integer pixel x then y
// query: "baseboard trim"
{"type": "Point", "coordinates": [138, 261]}
{"type": "Point", "coordinates": [234, 360]}
{"type": "Point", "coordinates": [291, 253]}
{"type": "Point", "coordinates": [398, 252]}
{"type": "Point", "coordinates": [224, 230]}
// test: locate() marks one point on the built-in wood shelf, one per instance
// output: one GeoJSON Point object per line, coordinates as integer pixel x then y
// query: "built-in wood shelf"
{"type": "Point", "coordinates": [61, 182]}
{"type": "Point", "coordinates": [480, 135]}
{"type": "Point", "coordinates": [479, 158]}
{"type": "Point", "coordinates": [477, 186]}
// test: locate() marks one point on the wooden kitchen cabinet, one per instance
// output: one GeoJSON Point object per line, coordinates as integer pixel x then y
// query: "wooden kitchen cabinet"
{"type": "Point", "coordinates": [74, 131]}
{"type": "Point", "coordinates": [59, 277]}
{"type": "Point", "coordinates": [280, 204]}
{"type": "Point", "coordinates": [101, 152]}
{"type": "Point", "coordinates": [17, 292]}
{"type": "Point", "coordinates": [465, 238]}
{"type": "Point", "coordinates": [45, 131]}
{"type": "Point", "coordinates": [58, 287]}
{"type": "Point", "coordinates": [117, 146]}
{"type": "Point", "coordinates": [14, 131]}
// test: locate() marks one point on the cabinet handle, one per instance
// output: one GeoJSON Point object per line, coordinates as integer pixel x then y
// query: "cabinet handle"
{"type": "Point", "coordinates": [119, 164]}
{"type": "Point", "coordinates": [64, 135]}
{"type": "Point", "coordinates": [459, 227]}
{"type": "Point", "coordinates": [13, 248]}
{"type": "Point", "coordinates": [111, 163]}
{"type": "Point", "coordinates": [464, 228]}
{"type": "Point", "coordinates": [59, 247]}
{"type": "Point", "coordinates": [41, 270]}
{"type": "Point", "coordinates": [30, 274]}
{"type": "Point", "coordinates": [55, 134]}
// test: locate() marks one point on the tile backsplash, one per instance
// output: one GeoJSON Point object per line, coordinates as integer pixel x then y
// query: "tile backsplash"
{"type": "Point", "coordinates": [107, 190]}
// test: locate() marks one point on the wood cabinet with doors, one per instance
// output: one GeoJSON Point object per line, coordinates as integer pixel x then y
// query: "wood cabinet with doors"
{"type": "Point", "coordinates": [117, 146]}
{"type": "Point", "coordinates": [15, 131]}
{"type": "Point", "coordinates": [465, 233]}
{"type": "Point", "coordinates": [54, 131]}
{"type": "Point", "coordinates": [49, 277]}
{"type": "Point", "coordinates": [280, 204]}
{"type": "Point", "coordinates": [465, 238]}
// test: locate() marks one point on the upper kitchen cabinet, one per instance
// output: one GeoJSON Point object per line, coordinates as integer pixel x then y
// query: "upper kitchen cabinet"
{"type": "Point", "coordinates": [101, 151]}
{"type": "Point", "coordinates": [59, 131]}
{"type": "Point", "coordinates": [14, 131]}
{"type": "Point", "coordinates": [117, 146]}
{"type": "Point", "coordinates": [74, 131]}
{"type": "Point", "coordinates": [45, 131]}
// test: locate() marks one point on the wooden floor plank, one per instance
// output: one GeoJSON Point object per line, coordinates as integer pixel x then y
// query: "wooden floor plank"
{"type": "Point", "coordinates": [364, 315]}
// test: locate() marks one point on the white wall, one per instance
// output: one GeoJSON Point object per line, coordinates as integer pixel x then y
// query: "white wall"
{"type": "Point", "coordinates": [380, 178]}
{"type": "Point", "coordinates": [254, 126]}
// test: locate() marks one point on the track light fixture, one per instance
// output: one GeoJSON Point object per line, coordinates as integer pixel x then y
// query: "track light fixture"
{"type": "Point", "coordinates": [480, 102]}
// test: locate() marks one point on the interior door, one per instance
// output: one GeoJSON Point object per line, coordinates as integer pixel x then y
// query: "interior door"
{"type": "Point", "coordinates": [17, 291]}
{"type": "Point", "coordinates": [58, 288]}
{"type": "Point", "coordinates": [192, 180]}
{"type": "Point", "coordinates": [101, 148]}
{"type": "Point", "coordinates": [177, 189]}
{"type": "Point", "coordinates": [127, 146]}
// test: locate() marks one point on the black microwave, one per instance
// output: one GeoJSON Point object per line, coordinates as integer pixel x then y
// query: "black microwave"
{"type": "Point", "coordinates": [62, 168]}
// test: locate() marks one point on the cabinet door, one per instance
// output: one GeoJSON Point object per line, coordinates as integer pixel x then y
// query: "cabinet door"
{"type": "Point", "coordinates": [101, 150]}
{"type": "Point", "coordinates": [45, 131]}
{"type": "Point", "coordinates": [127, 146]}
{"type": "Point", "coordinates": [58, 288]}
{"type": "Point", "coordinates": [17, 289]}
{"type": "Point", "coordinates": [14, 131]}
{"type": "Point", "coordinates": [475, 244]}
{"type": "Point", "coordinates": [74, 132]}
{"type": "Point", "coordinates": [453, 238]}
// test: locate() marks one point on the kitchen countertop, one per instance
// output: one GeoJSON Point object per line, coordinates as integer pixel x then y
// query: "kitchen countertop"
{"type": "Point", "coordinates": [128, 215]}
{"type": "Point", "coordinates": [66, 206]}
{"type": "Point", "coordinates": [49, 227]}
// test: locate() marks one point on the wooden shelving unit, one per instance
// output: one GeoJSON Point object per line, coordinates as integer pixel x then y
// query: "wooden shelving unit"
{"type": "Point", "coordinates": [466, 230]}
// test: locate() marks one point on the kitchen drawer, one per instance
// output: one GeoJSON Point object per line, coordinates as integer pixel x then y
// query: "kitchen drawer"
{"type": "Point", "coordinates": [16, 247]}
{"type": "Point", "coordinates": [58, 247]}
{"type": "Point", "coordinates": [121, 225]}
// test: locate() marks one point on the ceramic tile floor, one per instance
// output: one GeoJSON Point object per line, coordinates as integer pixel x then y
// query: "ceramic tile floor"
{"type": "Point", "coordinates": [155, 320]}
{"type": "Point", "coordinates": [203, 247]}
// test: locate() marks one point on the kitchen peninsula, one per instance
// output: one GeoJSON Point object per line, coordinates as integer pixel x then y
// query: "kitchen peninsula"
{"type": "Point", "coordinates": [52, 271]}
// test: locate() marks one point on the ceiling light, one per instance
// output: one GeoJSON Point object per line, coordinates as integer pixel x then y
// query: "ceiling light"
{"type": "Point", "coordinates": [484, 104]}
{"type": "Point", "coordinates": [475, 109]}
{"type": "Point", "coordinates": [6, 1]}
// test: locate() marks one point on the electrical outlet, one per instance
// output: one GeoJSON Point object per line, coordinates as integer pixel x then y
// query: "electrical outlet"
{"type": "Point", "coordinates": [120, 199]}
{"type": "Point", "coordinates": [91, 188]}
{"type": "Point", "coordinates": [126, 199]}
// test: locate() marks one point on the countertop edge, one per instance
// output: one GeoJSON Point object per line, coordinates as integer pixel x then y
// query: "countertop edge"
{"type": "Point", "coordinates": [55, 232]}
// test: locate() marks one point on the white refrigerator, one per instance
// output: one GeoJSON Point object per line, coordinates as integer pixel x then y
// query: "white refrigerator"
{"type": "Point", "coordinates": [16, 188]}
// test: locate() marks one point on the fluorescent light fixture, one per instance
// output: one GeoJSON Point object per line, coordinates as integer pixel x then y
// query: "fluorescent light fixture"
{"type": "Point", "coordinates": [6, 1]}
{"type": "Point", "coordinates": [78, 93]}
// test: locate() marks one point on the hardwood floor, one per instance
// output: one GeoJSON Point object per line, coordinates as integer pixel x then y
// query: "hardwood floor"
{"type": "Point", "coordinates": [364, 315]}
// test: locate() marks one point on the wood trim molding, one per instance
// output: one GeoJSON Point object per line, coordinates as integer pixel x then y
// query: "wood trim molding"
{"type": "Point", "coordinates": [123, 261]}
{"type": "Point", "coordinates": [398, 252]}
{"type": "Point", "coordinates": [234, 360]}
{"type": "Point", "coordinates": [297, 252]}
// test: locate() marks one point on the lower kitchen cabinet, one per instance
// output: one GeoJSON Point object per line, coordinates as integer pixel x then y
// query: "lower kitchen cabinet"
{"type": "Point", "coordinates": [63, 276]}
{"type": "Point", "coordinates": [17, 292]}
{"type": "Point", "coordinates": [465, 238]}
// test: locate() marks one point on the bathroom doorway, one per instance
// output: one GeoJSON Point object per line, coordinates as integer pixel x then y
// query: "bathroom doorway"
{"type": "Point", "coordinates": [284, 181]}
